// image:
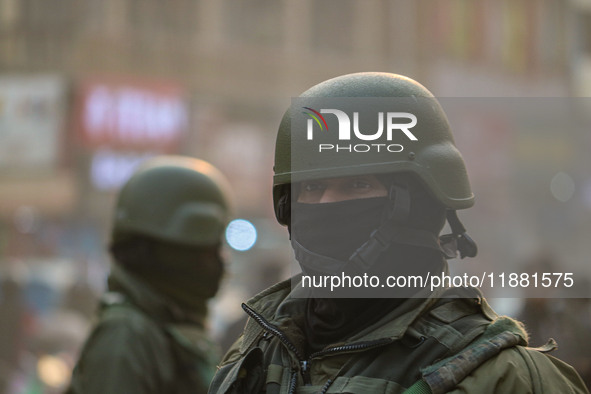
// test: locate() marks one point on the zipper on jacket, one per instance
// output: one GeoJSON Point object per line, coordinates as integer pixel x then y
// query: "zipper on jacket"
{"type": "Point", "coordinates": [293, 382]}
{"type": "Point", "coordinates": [273, 330]}
{"type": "Point", "coordinates": [305, 363]}
{"type": "Point", "coordinates": [352, 347]}
{"type": "Point", "coordinates": [326, 386]}
{"type": "Point", "coordinates": [305, 369]}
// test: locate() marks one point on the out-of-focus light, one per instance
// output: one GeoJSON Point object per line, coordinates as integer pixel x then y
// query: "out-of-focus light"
{"type": "Point", "coordinates": [562, 187]}
{"type": "Point", "coordinates": [109, 170]}
{"type": "Point", "coordinates": [53, 371]}
{"type": "Point", "coordinates": [241, 234]}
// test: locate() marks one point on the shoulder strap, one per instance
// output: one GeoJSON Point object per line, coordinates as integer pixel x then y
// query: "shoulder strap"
{"type": "Point", "coordinates": [448, 375]}
{"type": "Point", "coordinates": [454, 370]}
{"type": "Point", "coordinates": [487, 339]}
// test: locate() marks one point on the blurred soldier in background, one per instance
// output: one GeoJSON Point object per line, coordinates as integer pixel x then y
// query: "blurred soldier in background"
{"type": "Point", "coordinates": [166, 238]}
{"type": "Point", "coordinates": [378, 213]}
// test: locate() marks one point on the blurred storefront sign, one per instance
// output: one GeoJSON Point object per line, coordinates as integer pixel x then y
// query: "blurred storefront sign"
{"type": "Point", "coordinates": [109, 169]}
{"type": "Point", "coordinates": [31, 122]}
{"type": "Point", "coordinates": [131, 113]}
{"type": "Point", "coordinates": [122, 121]}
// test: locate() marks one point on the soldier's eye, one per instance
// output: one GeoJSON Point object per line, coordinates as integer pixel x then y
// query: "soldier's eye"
{"type": "Point", "coordinates": [359, 184]}
{"type": "Point", "coordinates": [312, 187]}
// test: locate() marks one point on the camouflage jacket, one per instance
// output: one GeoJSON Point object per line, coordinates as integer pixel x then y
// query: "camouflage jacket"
{"type": "Point", "coordinates": [450, 342]}
{"type": "Point", "coordinates": [143, 344]}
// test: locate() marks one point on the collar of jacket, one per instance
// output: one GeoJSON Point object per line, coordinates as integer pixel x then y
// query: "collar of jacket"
{"type": "Point", "coordinates": [149, 301]}
{"type": "Point", "coordinates": [284, 308]}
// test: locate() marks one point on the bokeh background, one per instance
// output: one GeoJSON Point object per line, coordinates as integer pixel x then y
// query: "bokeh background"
{"type": "Point", "coordinates": [90, 88]}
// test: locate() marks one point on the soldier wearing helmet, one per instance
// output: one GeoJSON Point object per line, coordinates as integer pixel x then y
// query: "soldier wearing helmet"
{"type": "Point", "coordinates": [166, 237]}
{"type": "Point", "coordinates": [366, 175]}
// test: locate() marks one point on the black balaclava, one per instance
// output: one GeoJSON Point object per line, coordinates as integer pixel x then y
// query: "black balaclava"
{"type": "Point", "coordinates": [337, 230]}
{"type": "Point", "coordinates": [187, 275]}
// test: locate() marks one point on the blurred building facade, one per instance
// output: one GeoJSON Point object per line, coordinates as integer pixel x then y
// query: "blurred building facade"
{"type": "Point", "coordinates": [89, 88]}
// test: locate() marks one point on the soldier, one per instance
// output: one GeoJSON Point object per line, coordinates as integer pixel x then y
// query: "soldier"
{"type": "Point", "coordinates": [376, 208]}
{"type": "Point", "coordinates": [166, 237]}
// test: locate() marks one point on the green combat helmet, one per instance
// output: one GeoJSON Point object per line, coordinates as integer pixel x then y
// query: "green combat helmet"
{"type": "Point", "coordinates": [174, 199]}
{"type": "Point", "coordinates": [433, 158]}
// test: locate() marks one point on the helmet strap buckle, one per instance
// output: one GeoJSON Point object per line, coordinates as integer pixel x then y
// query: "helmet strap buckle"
{"type": "Point", "coordinates": [458, 241]}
